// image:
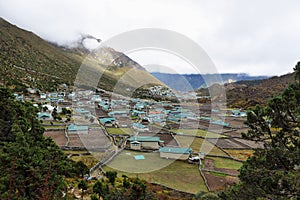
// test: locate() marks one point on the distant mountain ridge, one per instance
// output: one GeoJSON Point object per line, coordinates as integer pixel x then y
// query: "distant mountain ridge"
{"type": "Point", "coordinates": [188, 82]}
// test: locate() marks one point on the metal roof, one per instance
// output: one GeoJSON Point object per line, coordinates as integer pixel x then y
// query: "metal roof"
{"type": "Point", "coordinates": [177, 150]}
{"type": "Point", "coordinates": [145, 139]}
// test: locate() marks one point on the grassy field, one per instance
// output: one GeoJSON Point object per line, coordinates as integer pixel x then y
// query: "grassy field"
{"type": "Point", "coordinates": [199, 144]}
{"type": "Point", "coordinates": [119, 131]}
{"type": "Point", "coordinates": [53, 122]}
{"type": "Point", "coordinates": [240, 154]}
{"type": "Point", "coordinates": [218, 174]}
{"type": "Point", "coordinates": [126, 161]}
{"type": "Point", "coordinates": [197, 132]}
{"type": "Point", "coordinates": [74, 152]}
{"type": "Point", "coordinates": [54, 127]}
{"type": "Point", "coordinates": [89, 160]}
{"type": "Point", "coordinates": [174, 174]}
{"type": "Point", "coordinates": [226, 163]}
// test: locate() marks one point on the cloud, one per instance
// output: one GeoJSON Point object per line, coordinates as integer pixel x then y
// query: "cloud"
{"type": "Point", "coordinates": [256, 37]}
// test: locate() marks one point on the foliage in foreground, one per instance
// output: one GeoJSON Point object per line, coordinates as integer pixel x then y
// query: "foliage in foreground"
{"type": "Point", "coordinates": [32, 166]}
{"type": "Point", "coordinates": [273, 172]}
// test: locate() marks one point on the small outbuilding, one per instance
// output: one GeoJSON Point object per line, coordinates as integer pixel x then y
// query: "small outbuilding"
{"type": "Point", "coordinates": [108, 121]}
{"type": "Point", "coordinates": [144, 142]}
{"type": "Point", "coordinates": [140, 127]}
{"type": "Point", "coordinates": [73, 128]}
{"type": "Point", "coordinates": [175, 153]}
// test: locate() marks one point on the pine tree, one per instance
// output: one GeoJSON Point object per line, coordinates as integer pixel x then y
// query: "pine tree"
{"type": "Point", "coordinates": [274, 171]}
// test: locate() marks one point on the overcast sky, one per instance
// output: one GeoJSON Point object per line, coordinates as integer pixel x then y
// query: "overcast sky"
{"type": "Point", "coordinates": [259, 37]}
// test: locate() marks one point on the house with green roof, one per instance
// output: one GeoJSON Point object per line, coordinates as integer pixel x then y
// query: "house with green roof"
{"type": "Point", "coordinates": [175, 153]}
{"type": "Point", "coordinates": [144, 142]}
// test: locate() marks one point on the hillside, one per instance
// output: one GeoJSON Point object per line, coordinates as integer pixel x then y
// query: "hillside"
{"type": "Point", "coordinates": [27, 60]}
{"type": "Point", "coordinates": [188, 82]}
{"type": "Point", "coordinates": [250, 93]}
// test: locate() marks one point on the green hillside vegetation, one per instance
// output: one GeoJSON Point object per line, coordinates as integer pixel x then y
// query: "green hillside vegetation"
{"type": "Point", "coordinates": [27, 60]}
{"type": "Point", "coordinates": [26, 50]}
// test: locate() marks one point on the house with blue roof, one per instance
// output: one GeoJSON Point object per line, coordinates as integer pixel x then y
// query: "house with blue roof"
{"type": "Point", "coordinates": [73, 128]}
{"type": "Point", "coordinates": [43, 96]}
{"type": "Point", "coordinates": [71, 95]}
{"type": "Point", "coordinates": [53, 95]}
{"type": "Point", "coordinates": [238, 113]}
{"type": "Point", "coordinates": [104, 105]}
{"type": "Point", "coordinates": [82, 111]}
{"type": "Point", "coordinates": [108, 121]}
{"type": "Point", "coordinates": [19, 97]}
{"type": "Point", "coordinates": [44, 116]}
{"type": "Point", "coordinates": [139, 106]}
{"type": "Point", "coordinates": [137, 113]}
{"type": "Point", "coordinates": [140, 127]}
{"type": "Point", "coordinates": [173, 119]}
{"type": "Point", "coordinates": [145, 121]}
{"type": "Point", "coordinates": [159, 121]}
{"type": "Point", "coordinates": [96, 98]}
{"type": "Point", "coordinates": [175, 153]}
{"type": "Point", "coordinates": [144, 142]}
{"type": "Point", "coordinates": [221, 123]}
{"type": "Point", "coordinates": [119, 113]}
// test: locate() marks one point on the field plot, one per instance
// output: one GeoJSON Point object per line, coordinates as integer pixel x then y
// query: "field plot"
{"type": "Point", "coordinates": [190, 124]}
{"type": "Point", "coordinates": [75, 141]}
{"type": "Point", "coordinates": [236, 122]}
{"type": "Point", "coordinates": [199, 133]}
{"type": "Point", "coordinates": [223, 165]}
{"type": "Point", "coordinates": [240, 154]}
{"type": "Point", "coordinates": [199, 144]}
{"type": "Point", "coordinates": [233, 133]}
{"type": "Point", "coordinates": [96, 138]}
{"type": "Point", "coordinates": [229, 143]}
{"type": "Point", "coordinates": [249, 143]}
{"type": "Point", "coordinates": [101, 113]}
{"type": "Point", "coordinates": [175, 174]}
{"type": "Point", "coordinates": [57, 136]}
{"type": "Point", "coordinates": [87, 158]}
{"type": "Point", "coordinates": [120, 131]}
{"type": "Point", "coordinates": [237, 133]}
{"type": "Point", "coordinates": [219, 181]}
{"type": "Point", "coordinates": [126, 161]}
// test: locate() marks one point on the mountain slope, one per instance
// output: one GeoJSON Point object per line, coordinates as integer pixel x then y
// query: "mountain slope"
{"type": "Point", "coordinates": [250, 93]}
{"type": "Point", "coordinates": [27, 60]}
{"type": "Point", "coordinates": [246, 94]}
